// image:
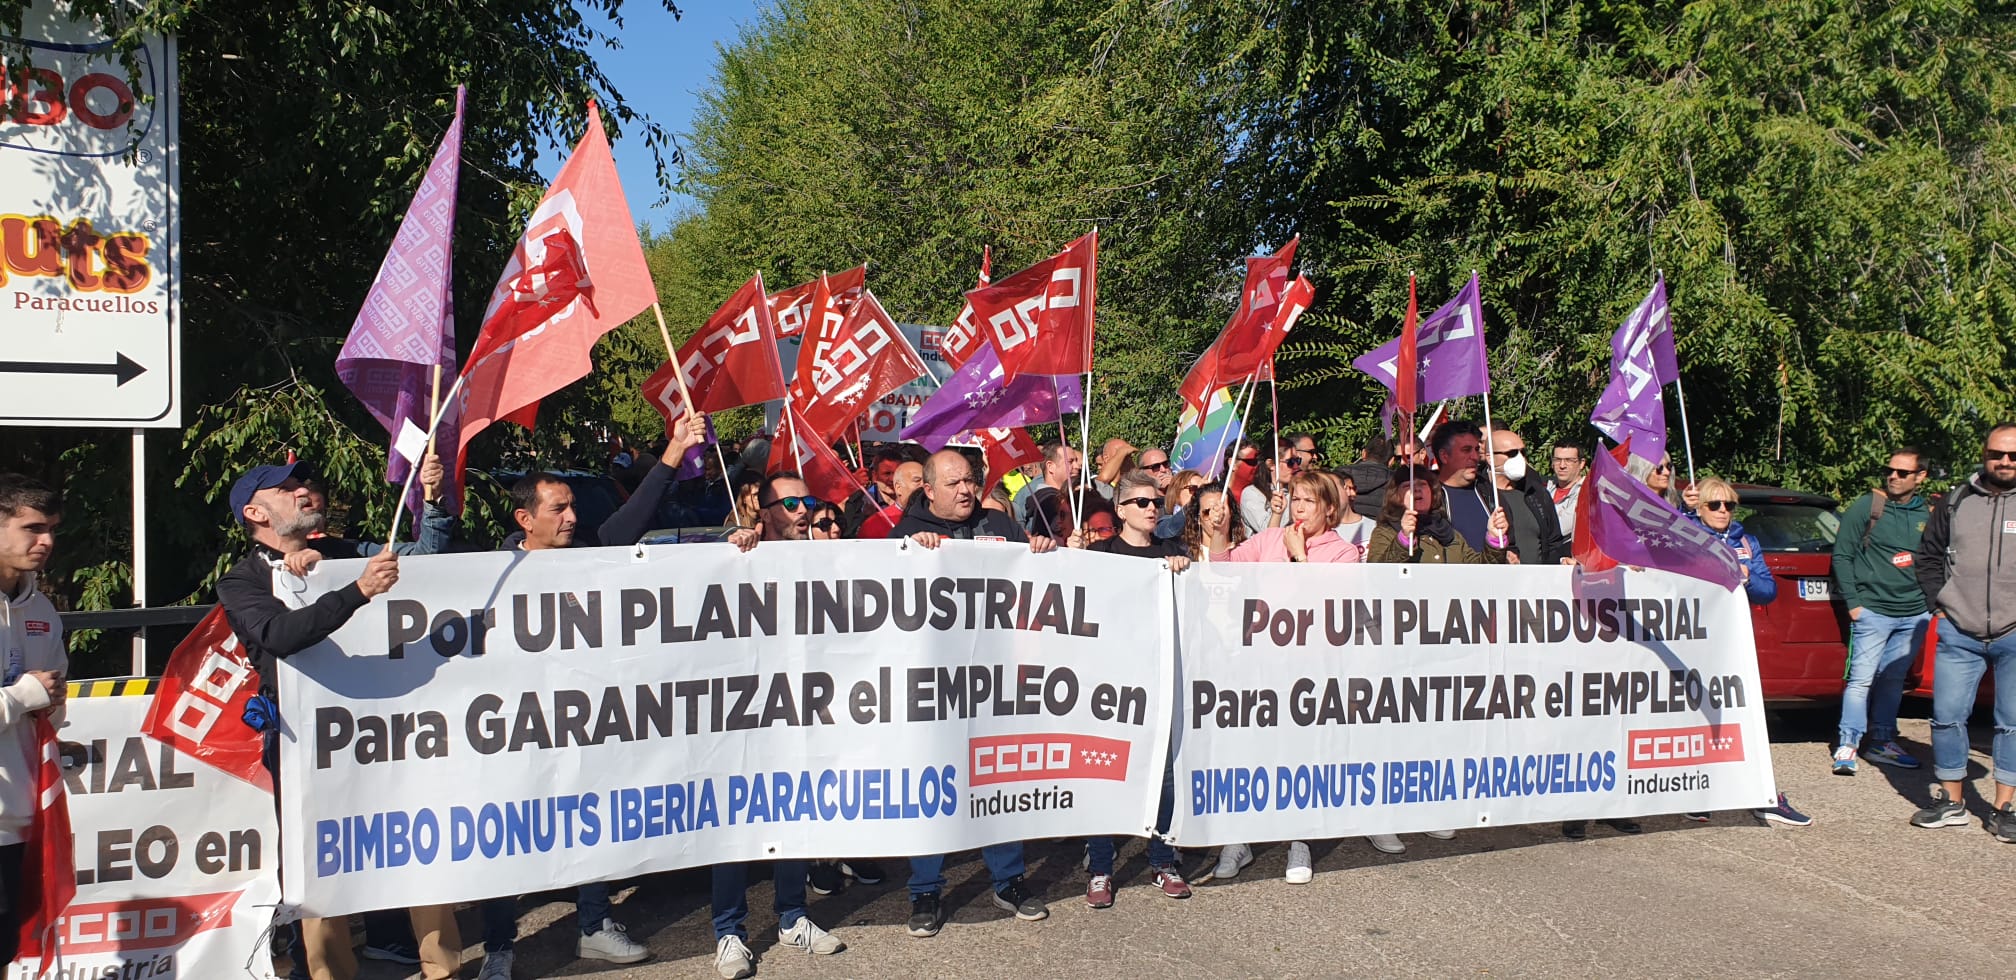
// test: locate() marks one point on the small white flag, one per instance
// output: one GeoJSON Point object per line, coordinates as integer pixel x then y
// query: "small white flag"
{"type": "Point", "coordinates": [412, 442]}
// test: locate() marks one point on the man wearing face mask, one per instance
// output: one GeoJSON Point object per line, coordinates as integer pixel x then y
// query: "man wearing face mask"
{"type": "Point", "coordinates": [1543, 542]}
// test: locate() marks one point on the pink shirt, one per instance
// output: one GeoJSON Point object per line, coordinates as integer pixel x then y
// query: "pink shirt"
{"type": "Point", "coordinates": [1325, 547]}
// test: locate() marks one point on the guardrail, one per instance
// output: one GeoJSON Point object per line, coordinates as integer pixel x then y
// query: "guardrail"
{"type": "Point", "coordinates": [151, 627]}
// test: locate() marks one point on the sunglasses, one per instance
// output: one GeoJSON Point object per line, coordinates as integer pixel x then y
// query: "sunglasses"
{"type": "Point", "coordinates": [1719, 504]}
{"type": "Point", "coordinates": [1509, 453]}
{"type": "Point", "coordinates": [806, 502]}
{"type": "Point", "coordinates": [1248, 460]}
{"type": "Point", "coordinates": [1662, 468]}
{"type": "Point", "coordinates": [825, 524]}
{"type": "Point", "coordinates": [1141, 502]}
{"type": "Point", "coordinates": [1164, 465]}
{"type": "Point", "coordinates": [1900, 474]}
{"type": "Point", "coordinates": [1294, 463]}
{"type": "Point", "coordinates": [1102, 532]}
{"type": "Point", "coordinates": [1998, 455]}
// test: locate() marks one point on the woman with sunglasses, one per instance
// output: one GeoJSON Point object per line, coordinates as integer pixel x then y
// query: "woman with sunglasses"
{"type": "Point", "coordinates": [1314, 510]}
{"type": "Point", "coordinates": [1265, 498]}
{"type": "Point", "coordinates": [1138, 502]}
{"type": "Point", "coordinates": [1716, 511]}
{"type": "Point", "coordinates": [1209, 530]}
{"type": "Point", "coordinates": [1182, 487]}
{"type": "Point", "coordinates": [825, 522]}
{"type": "Point", "coordinates": [1657, 477]}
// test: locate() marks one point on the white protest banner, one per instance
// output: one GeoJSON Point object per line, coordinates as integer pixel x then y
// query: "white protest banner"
{"type": "Point", "coordinates": [510, 722]}
{"type": "Point", "coordinates": [176, 861]}
{"type": "Point", "coordinates": [1336, 700]}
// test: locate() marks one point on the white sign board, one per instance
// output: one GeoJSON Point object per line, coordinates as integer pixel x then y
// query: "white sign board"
{"type": "Point", "coordinates": [89, 228]}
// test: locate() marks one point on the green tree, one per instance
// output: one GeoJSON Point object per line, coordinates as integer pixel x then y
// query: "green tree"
{"type": "Point", "coordinates": [305, 129]}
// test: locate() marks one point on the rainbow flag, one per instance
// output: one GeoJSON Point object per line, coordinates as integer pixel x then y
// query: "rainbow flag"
{"type": "Point", "coordinates": [1203, 443]}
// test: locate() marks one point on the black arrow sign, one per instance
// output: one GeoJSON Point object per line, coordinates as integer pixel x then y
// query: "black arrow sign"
{"type": "Point", "coordinates": [124, 369]}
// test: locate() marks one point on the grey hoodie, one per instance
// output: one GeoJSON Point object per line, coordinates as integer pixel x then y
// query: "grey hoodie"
{"type": "Point", "coordinates": [1967, 559]}
{"type": "Point", "coordinates": [31, 638]}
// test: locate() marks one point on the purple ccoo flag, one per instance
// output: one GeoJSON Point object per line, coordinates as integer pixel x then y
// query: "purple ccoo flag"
{"type": "Point", "coordinates": [407, 325]}
{"type": "Point", "coordinates": [1635, 526]}
{"type": "Point", "coordinates": [976, 397]}
{"type": "Point", "coordinates": [1453, 360]}
{"type": "Point", "coordinates": [1633, 407]}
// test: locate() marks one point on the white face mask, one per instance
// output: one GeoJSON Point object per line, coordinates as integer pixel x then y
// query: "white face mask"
{"type": "Point", "coordinates": [1514, 468]}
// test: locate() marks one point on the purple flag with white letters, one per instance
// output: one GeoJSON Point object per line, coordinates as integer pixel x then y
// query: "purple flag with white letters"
{"type": "Point", "coordinates": [977, 396]}
{"type": "Point", "coordinates": [1453, 361]}
{"type": "Point", "coordinates": [407, 325]}
{"type": "Point", "coordinates": [1633, 407]}
{"type": "Point", "coordinates": [1635, 526]}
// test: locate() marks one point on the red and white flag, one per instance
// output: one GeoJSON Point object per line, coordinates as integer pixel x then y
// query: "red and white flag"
{"type": "Point", "coordinates": [813, 459]}
{"type": "Point", "coordinates": [1040, 319]}
{"type": "Point", "coordinates": [48, 863]}
{"type": "Point", "coordinates": [964, 337]}
{"type": "Point", "coordinates": [1238, 352]}
{"type": "Point", "coordinates": [729, 362]}
{"type": "Point", "coordinates": [792, 308]}
{"type": "Point", "coordinates": [199, 707]}
{"type": "Point", "coordinates": [577, 273]}
{"type": "Point", "coordinates": [846, 364]}
{"type": "Point", "coordinates": [1006, 449]}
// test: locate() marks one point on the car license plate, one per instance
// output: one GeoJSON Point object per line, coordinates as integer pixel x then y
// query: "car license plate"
{"type": "Point", "coordinates": [1816, 589]}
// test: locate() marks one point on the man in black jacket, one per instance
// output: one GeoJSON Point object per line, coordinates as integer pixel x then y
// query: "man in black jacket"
{"type": "Point", "coordinates": [948, 510]}
{"type": "Point", "coordinates": [1516, 473]}
{"type": "Point", "coordinates": [280, 515]}
{"type": "Point", "coordinates": [1369, 475]}
{"type": "Point", "coordinates": [1967, 569]}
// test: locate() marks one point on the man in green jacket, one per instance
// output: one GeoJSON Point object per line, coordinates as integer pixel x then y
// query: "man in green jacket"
{"type": "Point", "coordinates": [1875, 553]}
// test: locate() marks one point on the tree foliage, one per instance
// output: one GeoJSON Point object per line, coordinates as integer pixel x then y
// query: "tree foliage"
{"type": "Point", "coordinates": [305, 128]}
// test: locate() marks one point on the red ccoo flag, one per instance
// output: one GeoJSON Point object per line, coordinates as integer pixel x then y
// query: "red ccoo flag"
{"type": "Point", "coordinates": [730, 361]}
{"type": "Point", "coordinates": [1406, 391]}
{"type": "Point", "coordinates": [963, 337]}
{"type": "Point", "coordinates": [814, 461]}
{"type": "Point", "coordinates": [577, 273]}
{"type": "Point", "coordinates": [792, 308]}
{"type": "Point", "coordinates": [844, 367]}
{"type": "Point", "coordinates": [49, 862]}
{"type": "Point", "coordinates": [209, 678]}
{"type": "Point", "coordinates": [1040, 319]}
{"type": "Point", "coordinates": [1006, 449]}
{"type": "Point", "coordinates": [1237, 353]}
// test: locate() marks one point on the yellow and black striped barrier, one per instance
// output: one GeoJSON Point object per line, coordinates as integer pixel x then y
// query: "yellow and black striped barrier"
{"type": "Point", "coordinates": [114, 687]}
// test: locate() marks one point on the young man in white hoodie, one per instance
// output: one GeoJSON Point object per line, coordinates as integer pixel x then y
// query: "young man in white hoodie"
{"type": "Point", "coordinates": [31, 636]}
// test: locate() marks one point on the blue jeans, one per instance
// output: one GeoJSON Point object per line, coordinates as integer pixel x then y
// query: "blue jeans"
{"type": "Point", "coordinates": [1955, 680]}
{"type": "Point", "coordinates": [1099, 850]}
{"type": "Point", "coordinates": [500, 916]}
{"type": "Point", "coordinates": [731, 896]}
{"type": "Point", "coordinates": [1004, 864]}
{"type": "Point", "coordinates": [1880, 649]}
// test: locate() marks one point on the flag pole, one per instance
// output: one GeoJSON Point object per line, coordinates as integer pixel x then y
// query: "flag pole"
{"type": "Point", "coordinates": [1686, 435]}
{"type": "Point", "coordinates": [1490, 459]}
{"type": "Point", "coordinates": [686, 399]}
{"type": "Point", "coordinates": [1226, 432]}
{"type": "Point", "coordinates": [433, 424]}
{"type": "Point", "coordinates": [1085, 406]}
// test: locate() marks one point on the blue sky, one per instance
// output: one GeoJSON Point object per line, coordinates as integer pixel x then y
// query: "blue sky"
{"type": "Point", "coordinates": [661, 68]}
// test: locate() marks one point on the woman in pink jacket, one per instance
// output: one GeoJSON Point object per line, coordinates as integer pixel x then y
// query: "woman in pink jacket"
{"type": "Point", "coordinates": [1309, 535]}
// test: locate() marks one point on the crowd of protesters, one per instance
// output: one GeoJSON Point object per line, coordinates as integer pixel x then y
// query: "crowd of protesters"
{"type": "Point", "coordinates": [1468, 495]}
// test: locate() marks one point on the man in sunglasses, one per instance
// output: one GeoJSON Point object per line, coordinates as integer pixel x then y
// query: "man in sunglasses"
{"type": "Point", "coordinates": [1543, 542]}
{"type": "Point", "coordinates": [1875, 554]}
{"type": "Point", "coordinates": [1299, 450]}
{"type": "Point", "coordinates": [949, 510]}
{"type": "Point", "coordinates": [1967, 569]}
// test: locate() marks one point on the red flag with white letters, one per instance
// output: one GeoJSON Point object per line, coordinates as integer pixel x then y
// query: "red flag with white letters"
{"type": "Point", "coordinates": [792, 308]}
{"type": "Point", "coordinates": [49, 862]}
{"type": "Point", "coordinates": [848, 363]}
{"type": "Point", "coordinates": [1006, 449]}
{"type": "Point", "coordinates": [731, 360]}
{"type": "Point", "coordinates": [964, 337]}
{"type": "Point", "coordinates": [577, 273]}
{"type": "Point", "coordinates": [1239, 351]}
{"type": "Point", "coordinates": [1040, 319]}
{"type": "Point", "coordinates": [199, 706]}
{"type": "Point", "coordinates": [814, 461]}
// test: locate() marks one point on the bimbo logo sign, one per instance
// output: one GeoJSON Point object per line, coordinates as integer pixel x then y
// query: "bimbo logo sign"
{"type": "Point", "coordinates": [74, 99]}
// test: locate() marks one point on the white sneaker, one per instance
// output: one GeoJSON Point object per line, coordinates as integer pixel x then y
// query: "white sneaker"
{"type": "Point", "coordinates": [732, 959]}
{"type": "Point", "coordinates": [611, 943]}
{"type": "Point", "coordinates": [1388, 843]}
{"type": "Point", "coordinates": [1231, 858]}
{"type": "Point", "coordinates": [496, 966]}
{"type": "Point", "coordinates": [806, 937]}
{"type": "Point", "coordinates": [1442, 834]}
{"type": "Point", "coordinates": [1299, 872]}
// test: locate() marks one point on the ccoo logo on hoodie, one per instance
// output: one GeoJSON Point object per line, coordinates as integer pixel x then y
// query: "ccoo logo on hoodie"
{"type": "Point", "coordinates": [36, 627]}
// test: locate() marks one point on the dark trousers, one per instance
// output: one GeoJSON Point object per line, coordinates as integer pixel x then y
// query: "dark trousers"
{"type": "Point", "coordinates": [10, 900]}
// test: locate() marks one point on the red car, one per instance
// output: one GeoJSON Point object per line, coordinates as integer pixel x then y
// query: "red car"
{"type": "Point", "coordinates": [1802, 636]}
